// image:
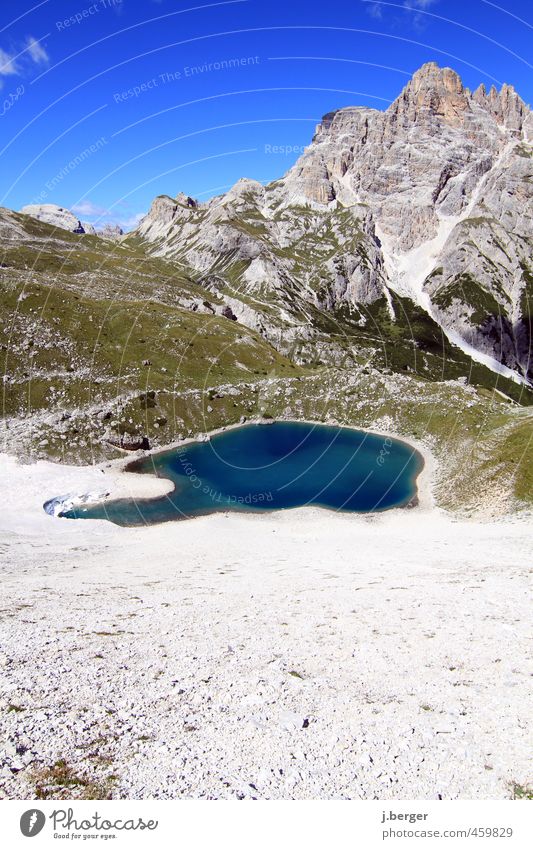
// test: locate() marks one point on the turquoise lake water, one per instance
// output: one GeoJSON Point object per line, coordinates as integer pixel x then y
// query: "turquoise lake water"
{"type": "Point", "coordinates": [259, 467]}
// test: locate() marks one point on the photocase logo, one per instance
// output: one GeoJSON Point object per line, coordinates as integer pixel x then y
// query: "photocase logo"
{"type": "Point", "coordinates": [32, 822]}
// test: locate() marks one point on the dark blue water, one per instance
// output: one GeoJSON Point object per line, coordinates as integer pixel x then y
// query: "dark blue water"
{"type": "Point", "coordinates": [273, 467]}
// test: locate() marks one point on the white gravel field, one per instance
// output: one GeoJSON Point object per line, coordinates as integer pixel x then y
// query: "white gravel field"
{"type": "Point", "coordinates": [296, 655]}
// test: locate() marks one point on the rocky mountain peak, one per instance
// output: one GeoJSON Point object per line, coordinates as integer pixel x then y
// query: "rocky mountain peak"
{"type": "Point", "coordinates": [241, 190]}
{"type": "Point", "coordinates": [110, 231]}
{"type": "Point", "coordinates": [432, 76]}
{"type": "Point", "coordinates": [185, 200]}
{"type": "Point", "coordinates": [57, 216]}
{"type": "Point", "coordinates": [433, 92]}
{"type": "Point", "coordinates": [505, 106]}
{"type": "Point", "coordinates": [513, 109]}
{"type": "Point", "coordinates": [438, 93]}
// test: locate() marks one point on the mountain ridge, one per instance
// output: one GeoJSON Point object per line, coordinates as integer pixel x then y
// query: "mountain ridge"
{"type": "Point", "coordinates": [412, 175]}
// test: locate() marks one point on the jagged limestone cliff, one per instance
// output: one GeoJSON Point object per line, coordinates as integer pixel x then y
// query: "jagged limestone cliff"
{"type": "Point", "coordinates": [430, 199]}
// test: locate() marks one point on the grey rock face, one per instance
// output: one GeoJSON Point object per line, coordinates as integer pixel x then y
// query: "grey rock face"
{"type": "Point", "coordinates": [285, 258]}
{"type": "Point", "coordinates": [443, 176]}
{"type": "Point", "coordinates": [110, 231]}
{"type": "Point", "coordinates": [57, 216]}
{"type": "Point", "coordinates": [60, 217]}
{"type": "Point", "coordinates": [420, 158]}
{"type": "Point", "coordinates": [482, 285]}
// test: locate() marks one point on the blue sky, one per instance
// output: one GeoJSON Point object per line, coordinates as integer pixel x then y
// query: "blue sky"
{"type": "Point", "coordinates": [107, 103]}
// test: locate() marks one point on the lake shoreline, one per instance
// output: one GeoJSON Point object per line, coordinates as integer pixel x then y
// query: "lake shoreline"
{"type": "Point", "coordinates": [421, 500]}
{"type": "Point", "coordinates": [305, 652]}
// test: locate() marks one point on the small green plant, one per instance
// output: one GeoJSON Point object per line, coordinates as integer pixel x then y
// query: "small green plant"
{"type": "Point", "coordinates": [61, 781]}
{"type": "Point", "coordinates": [521, 791]}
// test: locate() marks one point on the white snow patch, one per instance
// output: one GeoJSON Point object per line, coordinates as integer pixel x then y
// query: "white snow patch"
{"type": "Point", "coordinates": [408, 271]}
{"type": "Point", "coordinates": [63, 503]}
{"type": "Point", "coordinates": [484, 359]}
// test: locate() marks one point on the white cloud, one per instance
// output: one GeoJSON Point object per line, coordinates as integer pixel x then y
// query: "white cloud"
{"type": "Point", "coordinates": [416, 9]}
{"type": "Point", "coordinates": [419, 4]}
{"type": "Point", "coordinates": [378, 9]}
{"type": "Point", "coordinates": [87, 207]}
{"type": "Point", "coordinates": [18, 63]}
{"type": "Point", "coordinates": [374, 10]}
{"type": "Point", "coordinates": [36, 51]}
{"type": "Point", "coordinates": [86, 210]}
{"type": "Point", "coordinates": [7, 63]}
{"type": "Point", "coordinates": [131, 223]}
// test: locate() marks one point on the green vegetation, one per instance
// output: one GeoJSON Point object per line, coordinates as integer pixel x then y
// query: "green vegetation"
{"type": "Point", "coordinates": [467, 289]}
{"type": "Point", "coordinates": [526, 304]}
{"type": "Point", "coordinates": [413, 342]}
{"type": "Point", "coordinates": [129, 367]}
{"type": "Point", "coordinates": [523, 151]}
{"type": "Point", "coordinates": [520, 791]}
{"type": "Point", "coordinates": [62, 781]}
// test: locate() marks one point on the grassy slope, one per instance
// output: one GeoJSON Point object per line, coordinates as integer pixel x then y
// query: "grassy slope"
{"type": "Point", "coordinates": [96, 331]}
{"type": "Point", "coordinates": [66, 352]}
